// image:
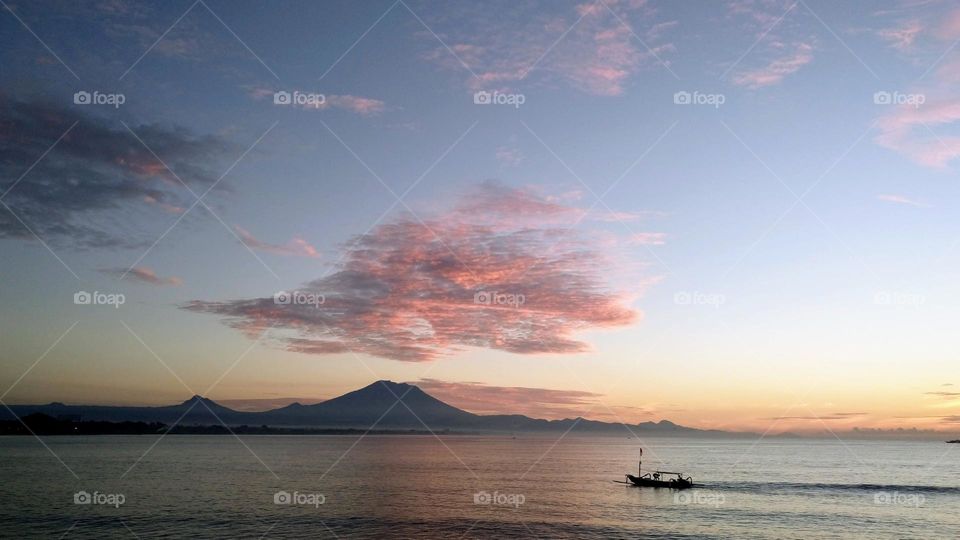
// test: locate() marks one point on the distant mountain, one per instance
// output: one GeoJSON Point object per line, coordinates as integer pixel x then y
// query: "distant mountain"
{"type": "Point", "coordinates": [196, 410]}
{"type": "Point", "coordinates": [375, 405]}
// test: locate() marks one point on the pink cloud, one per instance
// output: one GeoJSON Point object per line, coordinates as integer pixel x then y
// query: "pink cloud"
{"type": "Point", "coordinates": [922, 29]}
{"type": "Point", "coordinates": [656, 31]}
{"type": "Point", "coordinates": [145, 275]}
{"type": "Point", "coordinates": [903, 36]}
{"type": "Point", "coordinates": [649, 239]}
{"type": "Point", "coordinates": [480, 398]}
{"type": "Point", "coordinates": [909, 131]}
{"type": "Point", "coordinates": [949, 27]}
{"type": "Point", "coordinates": [615, 216]}
{"type": "Point", "coordinates": [416, 291]}
{"type": "Point", "coordinates": [917, 130]}
{"type": "Point", "coordinates": [778, 69]}
{"type": "Point", "coordinates": [357, 104]}
{"type": "Point", "coordinates": [899, 199]}
{"type": "Point", "coordinates": [296, 247]}
{"type": "Point", "coordinates": [509, 155]}
{"type": "Point", "coordinates": [761, 14]}
{"type": "Point", "coordinates": [166, 207]}
{"type": "Point", "coordinates": [260, 92]}
{"type": "Point", "coordinates": [598, 53]}
{"type": "Point", "coordinates": [502, 206]}
{"type": "Point", "coordinates": [547, 403]}
{"type": "Point", "coordinates": [498, 205]}
{"type": "Point", "coordinates": [780, 45]}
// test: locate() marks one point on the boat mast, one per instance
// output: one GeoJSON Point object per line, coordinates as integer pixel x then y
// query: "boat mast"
{"type": "Point", "coordinates": [640, 464]}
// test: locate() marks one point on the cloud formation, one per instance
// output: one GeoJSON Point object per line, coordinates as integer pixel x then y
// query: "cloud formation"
{"type": "Point", "coordinates": [781, 45]}
{"type": "Point", "coordinates": [509, 155]}
{"type": "Point", "coordinates": [832, 416]}
{"type": "Point", "coordinates": [481, 398]}
{"type": "Point", "coordinates": [649, 239]}
{"type": "Point", "coordinates": [80, 190]}
{"type": "Point", "coordinates": [910, 131]}
{"type": "Point", "coordinates": [915, 129]}
{"type": "Point", "coordinates": [360, 105]}
{"type": "Point", "coordinates": [296, 247]}
{"type": "Point", "coordinates": [902, 36]}
{"type": "Point", "coordinates": [144, 275]}
{"type": "Point", "coordinates": [900, 199]}
{"type": "Point", "coordinates": [777, 69]}
{"type": "Point", "coordinates": [492, 273]}
{"type": "Point", "coordinates": [590, 47]}
{"type": "Point", "coordinates": [363, 106]}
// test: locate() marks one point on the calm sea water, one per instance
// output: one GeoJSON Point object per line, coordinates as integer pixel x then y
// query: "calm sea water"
{"type": "Point", "coordinates": [473, 487]}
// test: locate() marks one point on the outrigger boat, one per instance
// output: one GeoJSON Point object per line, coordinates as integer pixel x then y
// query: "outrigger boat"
{"type": "Point", "coordinates": [659, 479]}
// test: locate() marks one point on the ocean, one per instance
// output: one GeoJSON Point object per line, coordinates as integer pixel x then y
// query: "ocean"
{"type": "Point", "coordinates": [459, 486]}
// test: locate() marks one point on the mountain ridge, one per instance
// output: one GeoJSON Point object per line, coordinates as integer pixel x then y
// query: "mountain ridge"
{"type": "Point", "coordinates": [383, 404]}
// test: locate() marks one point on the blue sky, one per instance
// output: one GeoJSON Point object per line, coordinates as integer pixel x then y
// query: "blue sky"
{"type": "Point", "coordinates": [793, 244]}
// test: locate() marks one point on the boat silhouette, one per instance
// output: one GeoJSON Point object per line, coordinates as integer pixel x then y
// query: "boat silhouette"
{"type": "Point", "coordinates": [658, 479]}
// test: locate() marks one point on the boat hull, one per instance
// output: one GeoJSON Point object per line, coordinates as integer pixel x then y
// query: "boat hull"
{"type": "Point", "coordinates": [650, 482]}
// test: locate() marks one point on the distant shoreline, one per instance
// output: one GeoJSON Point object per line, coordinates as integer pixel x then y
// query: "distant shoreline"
{"type": "Point", "coordinates": [41, 424]}
{"type": "Point", "coordinates": [237, 431]}
{"type": "Point", "coordinates": [37, 424]}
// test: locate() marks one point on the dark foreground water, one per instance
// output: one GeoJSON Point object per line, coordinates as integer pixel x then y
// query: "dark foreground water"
{"type": "Point", "coordinates": [472, 487]}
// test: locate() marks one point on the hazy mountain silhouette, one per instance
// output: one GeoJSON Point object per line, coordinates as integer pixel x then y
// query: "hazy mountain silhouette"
{"type": "Point", "coordinates": [377, 401]}
{"type": "Point", "coordinates": [373, 405]}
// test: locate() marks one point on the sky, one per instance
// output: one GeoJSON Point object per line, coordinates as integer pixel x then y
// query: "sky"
{"type": "Point", "coordinates": [734, 215]}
